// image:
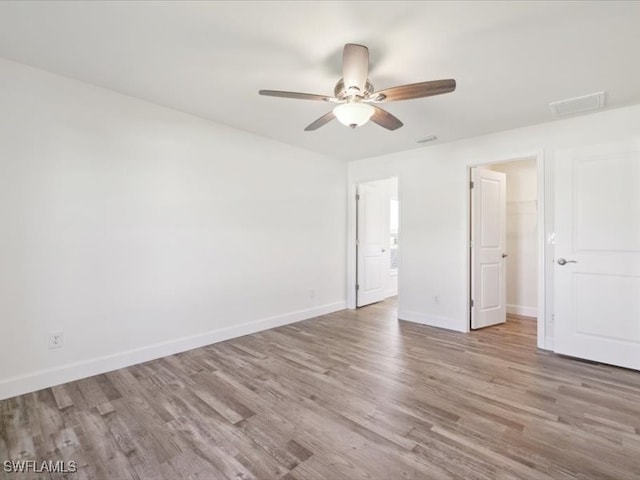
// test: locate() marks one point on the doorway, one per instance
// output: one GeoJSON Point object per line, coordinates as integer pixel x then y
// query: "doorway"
{"type": "Point", "coordinates": [377, 241]}
{"type": "Point", "coordinates": [504, 251]}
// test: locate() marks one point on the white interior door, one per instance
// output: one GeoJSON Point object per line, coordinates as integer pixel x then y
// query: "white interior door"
{"type": "Point", "coordinates": [373, 242]}
{"type": "Point", "coordinates": [488, 245]}
{"type": "Point", "coordinates": [597, 254]}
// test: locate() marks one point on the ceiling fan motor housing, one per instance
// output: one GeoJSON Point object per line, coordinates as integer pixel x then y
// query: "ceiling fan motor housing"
{"type": "Point", "coordinates": [343, 92]}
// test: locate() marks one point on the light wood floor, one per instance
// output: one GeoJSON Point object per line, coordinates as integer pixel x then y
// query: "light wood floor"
{"type": "Point", "coordinates": [351, 395]}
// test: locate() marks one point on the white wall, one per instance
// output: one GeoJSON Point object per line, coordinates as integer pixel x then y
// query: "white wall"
{"type": "Point", "coordinates": [140, 231]}
{"type": "Point", "coordinates": [522, 236]}
{"type": "Point", "coordinates": [434, 204]}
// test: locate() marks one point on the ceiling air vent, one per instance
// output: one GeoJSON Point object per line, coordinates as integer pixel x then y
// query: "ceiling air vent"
{"type": "Point", "coordinates": [426, 139]}
{"type": "Point", "coordinates": [575, 106]}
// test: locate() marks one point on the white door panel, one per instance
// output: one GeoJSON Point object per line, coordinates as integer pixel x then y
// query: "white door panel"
{"type": "Point", "coordinates": [371, 272]}
{"type": "Point", "coordinates": [373, 243]}
{"type": "Point", "coordinates": [488, 237]}
{"type": "Point", "coordinates": [597, 298]}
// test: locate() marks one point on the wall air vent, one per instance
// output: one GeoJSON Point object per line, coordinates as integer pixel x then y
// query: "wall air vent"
{"type": "Point", "coordinates": [577, 105]}
{"type": "Point", "coordinates": [429, 138]}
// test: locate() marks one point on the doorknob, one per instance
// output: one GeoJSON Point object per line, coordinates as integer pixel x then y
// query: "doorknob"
{"type": "Point", "coordinates": [383, 250]}
{"type": "Point", "coordinates": [504, 255]}
{"type": "Point", "coordinates": [563, 261]}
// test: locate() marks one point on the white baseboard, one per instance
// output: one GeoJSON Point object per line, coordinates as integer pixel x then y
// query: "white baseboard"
{"type": "Point", "coordinates": [38, 380]}
{"type": "Point", "coordinates": [522, 310]}
{"type": "Point", "coordinates": [392, 292]}
{"type": "Point", "coordinates": [433, 320]}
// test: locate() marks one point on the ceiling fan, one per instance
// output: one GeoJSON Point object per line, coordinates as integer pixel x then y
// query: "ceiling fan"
{"type": "Point", "coordinates": [355, 97]}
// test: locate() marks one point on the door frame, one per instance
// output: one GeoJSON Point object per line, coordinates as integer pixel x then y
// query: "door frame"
{"type": "Point", "coordinates": [352, 227]}
{"type": "Point", "coordinates": [538, 156]}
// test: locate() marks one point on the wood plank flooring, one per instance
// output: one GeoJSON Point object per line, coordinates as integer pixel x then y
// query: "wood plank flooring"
{"type": "Point", "coordinates": [353, 395]}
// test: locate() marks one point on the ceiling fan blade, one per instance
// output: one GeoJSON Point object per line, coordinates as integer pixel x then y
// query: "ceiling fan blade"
{"type": "Point", "coordinates": [415, 90]}
{"type": "Point", "coordinates": [385, 119]}
{"type": "Point", "coordinates": [323, 120]}
{"type": "Point", "coordinates": [299, 96]}
{"type": "Point", "coordinates": [355, 66]}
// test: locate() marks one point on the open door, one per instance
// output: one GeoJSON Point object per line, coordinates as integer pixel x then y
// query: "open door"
{"type": "Point", "coordinates": [488, 245]}
{"type": "Point", "coordinates": [373, 243]}
{"type": "Point", "coordinates": [597, 254]}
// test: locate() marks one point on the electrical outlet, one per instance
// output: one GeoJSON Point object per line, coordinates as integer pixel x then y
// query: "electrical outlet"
{"type": "Point", "coordinates": [436, 300]}
{"type": "Point", "coordinates": [56, 340]}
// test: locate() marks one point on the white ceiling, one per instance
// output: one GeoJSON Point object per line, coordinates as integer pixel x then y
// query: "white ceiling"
{"type": "Point", "coordinates": [510, 59]}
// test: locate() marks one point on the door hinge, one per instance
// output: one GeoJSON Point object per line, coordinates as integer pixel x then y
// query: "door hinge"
{"type": "Point", "coordinates": [357, 197]}
{"type": "Point", "coordinates": [472, 302]}
{"type": "Point", "coordinates": [470, 184]}
{"type": "Point", "coordinates": [357, 242]}
{"type": "Point", "coordinates": [357, 287]}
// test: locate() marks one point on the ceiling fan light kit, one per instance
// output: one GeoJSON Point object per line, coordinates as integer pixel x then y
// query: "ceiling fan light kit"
{"type": "Point", "coordinates": [356, 97]}
{"type": "Point", "coordinates": [353, 114]}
